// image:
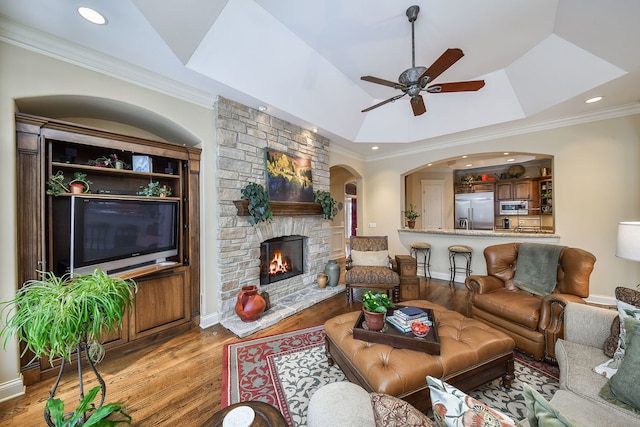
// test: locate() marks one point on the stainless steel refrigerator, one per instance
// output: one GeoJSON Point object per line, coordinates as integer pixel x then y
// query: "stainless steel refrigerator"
{"type": "Point", "coordinates": [474, 211]}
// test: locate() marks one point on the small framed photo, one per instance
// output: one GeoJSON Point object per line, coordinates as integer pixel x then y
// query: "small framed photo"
{"type": "Point", "coordinates": [141, 163]}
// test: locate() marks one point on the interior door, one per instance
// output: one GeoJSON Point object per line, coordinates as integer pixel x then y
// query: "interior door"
{"type": "Point", "coordinates": [432, 214]}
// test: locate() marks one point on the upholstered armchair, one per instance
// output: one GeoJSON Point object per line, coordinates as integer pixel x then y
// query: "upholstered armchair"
{"type": "Point", "coordinates": [370, 266]}
{"type": "Point", "coordinates": [532, 317]}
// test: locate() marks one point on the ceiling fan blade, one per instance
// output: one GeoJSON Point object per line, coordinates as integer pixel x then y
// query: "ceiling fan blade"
{"type": "Point", "coordinates": [386, 101]}
{"type": "Point", "coordinates": [446, 60]}
{"type": "Point", "coordinates": [469, 86]}
{"type": "Point", "coordinates": [384, 82]}
{"type": "Point", "coordinates": [417, 104]}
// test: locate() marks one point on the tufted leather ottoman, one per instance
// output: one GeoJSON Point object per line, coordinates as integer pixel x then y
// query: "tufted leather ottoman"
{"type": "Point", "coordinates": [471, 354]}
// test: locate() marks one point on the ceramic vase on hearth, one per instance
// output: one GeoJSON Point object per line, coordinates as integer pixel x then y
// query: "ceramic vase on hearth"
{"type": "Point", "coordinates": [332, 269]}
{"type": "Point", "coordinates": [375, 320]}
{"type": "Point", "coordinates": [250, 304]}
{"type": "Point", "coordinates": [323, 279]}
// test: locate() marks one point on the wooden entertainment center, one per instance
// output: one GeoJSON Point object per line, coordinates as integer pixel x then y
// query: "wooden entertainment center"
{"type": "Point", "coordinates": [168, 297]}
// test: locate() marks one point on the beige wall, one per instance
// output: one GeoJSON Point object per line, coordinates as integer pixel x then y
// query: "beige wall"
{"type": "Point", "coordinates": [596, 185]}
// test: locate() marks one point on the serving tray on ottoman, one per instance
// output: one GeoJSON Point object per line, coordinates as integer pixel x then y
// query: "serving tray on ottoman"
{"type": "Point", "coordinates": [472, 353]}
{"type": "Point", "coordinates": [396, 338]}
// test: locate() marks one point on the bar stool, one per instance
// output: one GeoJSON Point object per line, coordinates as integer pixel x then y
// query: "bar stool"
{"type": "Point", "coordinates": [424, 249]}
{"type": "Point", "coordinates": [464, 251]}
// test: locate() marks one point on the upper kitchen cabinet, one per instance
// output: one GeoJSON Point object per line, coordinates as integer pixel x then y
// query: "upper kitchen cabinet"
{"type": "Point", "coordinates": [526, 189]}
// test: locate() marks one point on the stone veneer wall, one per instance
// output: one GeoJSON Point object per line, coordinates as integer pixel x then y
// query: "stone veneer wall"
{"type": "Point", "coordinates": [242, 135]}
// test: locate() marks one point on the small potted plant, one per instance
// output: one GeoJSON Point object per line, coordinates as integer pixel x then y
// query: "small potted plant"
{"type": "Point", "coordinates": [57, 185]}
{"type": "Point", "coordinates": [153, 189]}
{"type": "Point", "coordinates": [374, 307]}
{"type": "Point", "coordinates": [411, 215]}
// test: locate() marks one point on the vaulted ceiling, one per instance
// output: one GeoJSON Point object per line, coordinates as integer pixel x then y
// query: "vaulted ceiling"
{"type": "Point", "coordinates": [303, 59]}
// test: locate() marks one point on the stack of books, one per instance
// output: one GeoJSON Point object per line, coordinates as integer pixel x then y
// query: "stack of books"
{"type": "Point", "coordinates": [405, 316]}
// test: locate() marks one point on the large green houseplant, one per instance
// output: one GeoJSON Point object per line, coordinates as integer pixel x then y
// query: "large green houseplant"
{"type": "Point", "coordinates": [56, 317]}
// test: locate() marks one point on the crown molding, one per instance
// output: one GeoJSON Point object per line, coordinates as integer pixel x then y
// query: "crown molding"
{"type": "Point", "coordinates": [512, 130]}
{"type": "Point", "coordinates": [33, 40]}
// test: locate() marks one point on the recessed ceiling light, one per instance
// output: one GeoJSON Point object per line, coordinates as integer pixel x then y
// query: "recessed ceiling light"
{"type": "Point", "coordinates": [468, 165]}
{"type": "Point", "coordinates": [374, 148]}
{"type": "Point", "coordinates": [92, 15]}
{"type": "Point", "coordinates": [262, 108]}
{"type": "Point", "coordinates": [594, 99]}
{"type": "Point", "coordinates": [315, 130]}
{"type": "Point", "coordinates": [464, 157]}
{"type": "Point", "coordinates": [511, 160]}
{"type": "Point", "coordinates": [506, 154]}
{"type": "Point", "coordinates": [429, 164]}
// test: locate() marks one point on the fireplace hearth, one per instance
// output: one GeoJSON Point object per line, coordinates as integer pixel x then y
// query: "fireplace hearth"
{"type": "Point", "coordinates": [281, 258]}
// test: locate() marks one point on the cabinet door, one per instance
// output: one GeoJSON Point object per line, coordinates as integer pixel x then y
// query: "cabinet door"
{"type": "Point", "coordinates": [486, 187]}
{"type": "Point", "coordinates": [522, 190]}
{"type": "Point", "coordinates": [503, 191]}
{"type": "Point", "coordinates": [162, 302]}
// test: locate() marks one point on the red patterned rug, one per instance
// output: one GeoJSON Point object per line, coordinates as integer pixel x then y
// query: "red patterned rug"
{"type": "Point", "coordinates": [284, 370]}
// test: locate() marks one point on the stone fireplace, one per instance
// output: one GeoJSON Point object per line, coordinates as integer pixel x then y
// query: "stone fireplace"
{"type": "Point", "coordinates": [242, 134]}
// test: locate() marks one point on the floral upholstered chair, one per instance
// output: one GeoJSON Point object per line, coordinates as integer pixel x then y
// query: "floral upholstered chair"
{"type": "Point", "coordinates": [370, 266]}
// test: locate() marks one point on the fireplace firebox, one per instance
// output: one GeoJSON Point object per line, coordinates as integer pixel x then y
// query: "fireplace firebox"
{"type": "Point", "coordinates": [281, 258]}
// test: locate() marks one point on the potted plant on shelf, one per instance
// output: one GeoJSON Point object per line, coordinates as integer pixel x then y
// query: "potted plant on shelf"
{"type": "Point", "coordinates": [411, 215]}
{"type": "Point", "coordinates": [259, 209]}
{"type": "Point", "coordinates": [327, 202]}
{"type": "Point", "coordinates": [57, 185]}
{"type": "Point", "coordinates": [56, 317]}
{"type": "Point", "coordinates": [374, 307]}
{"type": "Point", "coordinates": [153, 189]}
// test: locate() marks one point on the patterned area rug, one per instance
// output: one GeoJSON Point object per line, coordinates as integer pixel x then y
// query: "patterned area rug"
{"type": "Point", "coordinates": [285, 370]}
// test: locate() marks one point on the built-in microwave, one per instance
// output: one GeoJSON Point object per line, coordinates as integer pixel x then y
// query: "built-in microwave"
{"type": "Point", "coordinates": [514, 207]}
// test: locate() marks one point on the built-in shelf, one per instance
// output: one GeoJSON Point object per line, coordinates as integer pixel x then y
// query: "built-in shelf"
{"type": "Point", "coordinates": [282, 208]}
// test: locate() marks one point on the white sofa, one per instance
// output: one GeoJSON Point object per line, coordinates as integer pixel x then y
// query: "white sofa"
{"type": "Point", "coordinates": [586, 329]}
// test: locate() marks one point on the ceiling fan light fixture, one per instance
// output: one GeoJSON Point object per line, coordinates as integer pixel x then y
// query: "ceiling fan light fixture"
{"type": "Point", "coordinates": [92, 15]}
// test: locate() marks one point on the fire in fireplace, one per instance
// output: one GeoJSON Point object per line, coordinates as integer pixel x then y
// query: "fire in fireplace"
{"type": "Point", "coordinates": [281, 258]}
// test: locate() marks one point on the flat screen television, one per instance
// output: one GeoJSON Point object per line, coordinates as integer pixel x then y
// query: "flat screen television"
{"type": "Point", "coordinates": [120, 234]}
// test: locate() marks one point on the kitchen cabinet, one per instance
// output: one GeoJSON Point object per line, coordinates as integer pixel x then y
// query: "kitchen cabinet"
{"type": "Point", "coordinates": [484, 187]}
{"type": "Point", "coordinates": [517, 190]}
{"type": "Point", "coordinates": [546, 196]}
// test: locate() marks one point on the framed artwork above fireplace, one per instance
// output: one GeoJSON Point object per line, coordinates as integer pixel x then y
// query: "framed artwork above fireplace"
{"type": "Point", "coordinates": [289, 178]}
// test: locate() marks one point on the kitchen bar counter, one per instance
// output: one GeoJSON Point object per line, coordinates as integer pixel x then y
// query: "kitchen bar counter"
{"type": "Point", "coordinates": [441, 239]}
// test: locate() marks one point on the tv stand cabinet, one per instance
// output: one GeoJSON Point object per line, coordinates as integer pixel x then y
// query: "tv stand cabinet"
{"type": "Point", "coordinates": [168, 298]}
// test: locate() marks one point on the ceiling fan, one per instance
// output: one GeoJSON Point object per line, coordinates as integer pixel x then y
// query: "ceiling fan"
{"type": "Point", "coordinates": [414, 80]}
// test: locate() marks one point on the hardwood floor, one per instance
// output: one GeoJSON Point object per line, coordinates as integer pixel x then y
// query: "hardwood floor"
{"type": "Point", "coordinates": [178, 381]}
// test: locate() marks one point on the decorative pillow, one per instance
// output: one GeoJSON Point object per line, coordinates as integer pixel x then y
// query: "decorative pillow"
{"type": "Point", "coordinates": [625, 385]}
{"type": "Point", "coordinates": [453, 408]}
{"type": "Point", "coordinates": [390, 411]}
{"type": "Point", "coordinates": [370, 258]}
{"type": "Point", "coordinates": [541, 413]}
{"type": "Point", "coordinates": [610, 367]}
{"type": "Point", "coordinates": [630, 296]}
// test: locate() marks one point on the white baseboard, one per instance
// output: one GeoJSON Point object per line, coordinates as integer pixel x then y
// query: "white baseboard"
{"type": "Point", "coordinates": [11, 389]}
{"type": "Point", "coordinates": [601, 299]}
{"type": "Point", "coordinates": [209, 320]}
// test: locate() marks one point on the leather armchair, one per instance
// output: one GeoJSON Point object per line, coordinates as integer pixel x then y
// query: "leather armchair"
{"type": "Point", "coordinates": [369, 266]}
{"type": "Point", "coordinates": [534, 322]}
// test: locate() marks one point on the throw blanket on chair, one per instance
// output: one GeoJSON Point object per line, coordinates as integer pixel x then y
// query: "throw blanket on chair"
{"type": "Point", "coordinates": [537, 267]}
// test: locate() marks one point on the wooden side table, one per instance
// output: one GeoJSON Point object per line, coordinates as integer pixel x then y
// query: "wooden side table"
{"type": "Point", "coordinates": [266, 415]}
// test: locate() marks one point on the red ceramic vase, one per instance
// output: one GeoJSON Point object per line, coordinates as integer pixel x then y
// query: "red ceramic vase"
{"type": "Point", "coordinates": [375, 321]}
{"type": "Point", "coordinates": [250, 304]}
